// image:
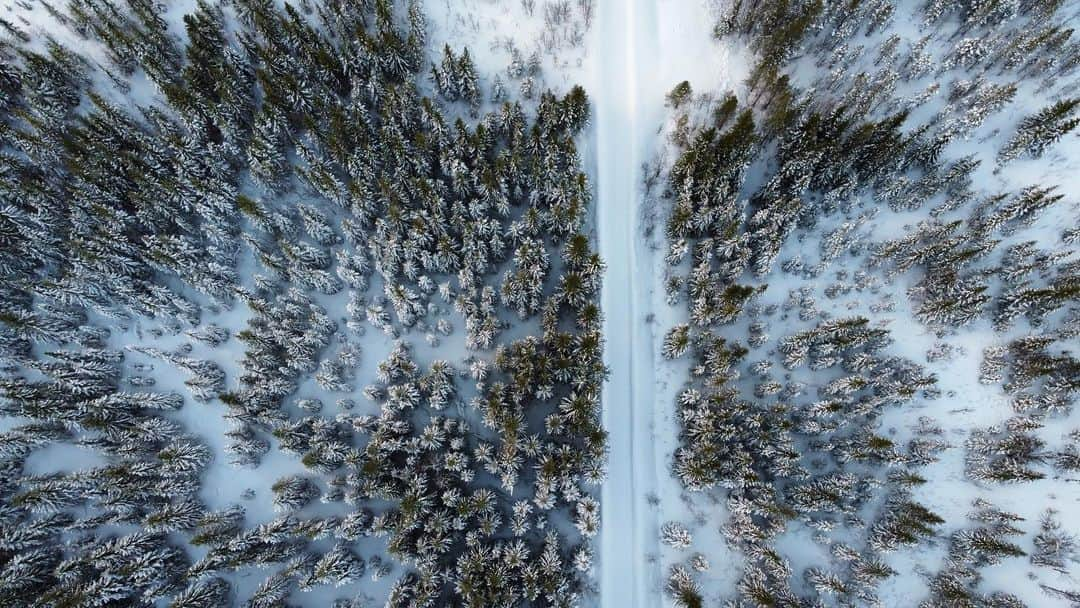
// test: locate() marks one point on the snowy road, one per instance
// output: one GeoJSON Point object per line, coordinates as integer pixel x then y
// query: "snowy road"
{"type": "Point", "coordinates": [625, 44]}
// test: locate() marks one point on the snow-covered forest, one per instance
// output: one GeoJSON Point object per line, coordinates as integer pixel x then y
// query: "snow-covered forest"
{"type": "Point", "coordinates": [539, 303]}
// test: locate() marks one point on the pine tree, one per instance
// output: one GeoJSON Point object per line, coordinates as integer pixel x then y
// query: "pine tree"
{"type": "Point", "coordinates": [339, 566]}
{"type": "Point", "coordinates": [677, 341]}
{"type": "Point", "coordinates": [1039, 131]}
{"type": "Point", "coordinates": [683, 589]}
{"type": "Point", "coordinates": [676, 535]}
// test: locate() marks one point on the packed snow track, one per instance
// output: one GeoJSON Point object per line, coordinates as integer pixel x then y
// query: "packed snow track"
{"type": "Point", "coordinates": [625, 35]}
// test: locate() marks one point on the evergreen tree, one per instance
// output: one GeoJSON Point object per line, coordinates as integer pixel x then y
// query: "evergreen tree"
{"type": "Point", "coordinates": [1039, 131]}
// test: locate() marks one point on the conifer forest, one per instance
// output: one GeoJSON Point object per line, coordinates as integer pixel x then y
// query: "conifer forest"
{"type": "Point", "coordinates": [539, 303]}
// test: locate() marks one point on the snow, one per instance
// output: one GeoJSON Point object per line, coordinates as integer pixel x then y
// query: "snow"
{"type": "Point", "coordinates": [686, 51]}
{"type": "Point", "coordinates": [628, 533]}
{"type": "Point", "coordinates": [633, 54]}
{"type": "Point", "coordinates": [641, 49]}
{"type": "Point", "coordinates": [490, 28]}
{"type": "Point", "coordinates": [677, 45]}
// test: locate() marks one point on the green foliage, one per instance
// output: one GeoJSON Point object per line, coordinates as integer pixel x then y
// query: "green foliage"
{"type": "Point", "coordinates": [680, 94]}
{"type": "Point", "coordinates": [1040, 130]}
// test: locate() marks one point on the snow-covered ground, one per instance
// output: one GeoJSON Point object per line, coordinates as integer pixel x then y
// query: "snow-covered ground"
{"type": "Point", "coordinates": [640, 50]}
{"type": "Point", "coordinates": [625, 39]}
{"type": "Point", "coordinates": [500, 32]}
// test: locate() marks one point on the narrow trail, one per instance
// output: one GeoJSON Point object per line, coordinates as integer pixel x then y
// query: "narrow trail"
{"type": "Point", "coordinates": [625, 41]}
